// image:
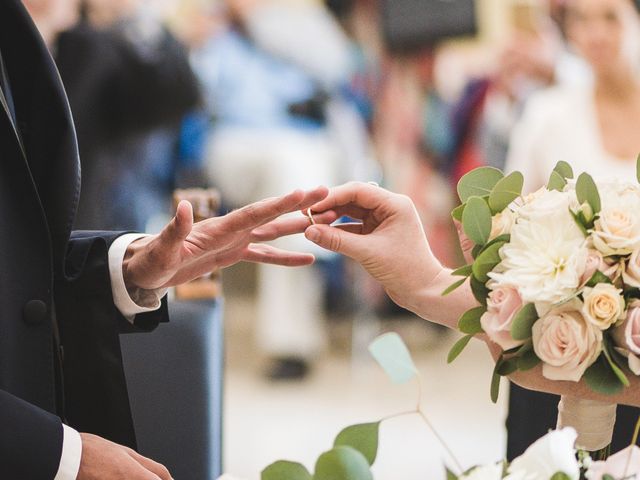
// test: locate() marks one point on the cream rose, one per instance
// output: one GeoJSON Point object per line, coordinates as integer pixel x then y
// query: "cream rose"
{"type": "Point", "coordinates": [502, 223]}
{"type": "Point", "coordinates": [566, 342]}
{"type": "Point", "coordinates": [502, 305]}
{"type": "Point", "coordinates": [603, 305]}
{"type": "Point", "coordinates": [617, 230]}
{"type": "Point", "coordinates": [631, 274]}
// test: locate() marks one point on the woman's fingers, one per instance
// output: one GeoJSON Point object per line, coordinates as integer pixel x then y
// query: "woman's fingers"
{"type": "Point", "coordinates": [363, 195]}
{"type": "Point", "coordinates": [338, 240]}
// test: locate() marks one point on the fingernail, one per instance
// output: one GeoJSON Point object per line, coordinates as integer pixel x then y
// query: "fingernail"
{"type": "Point", "coordinates": [313, 234]}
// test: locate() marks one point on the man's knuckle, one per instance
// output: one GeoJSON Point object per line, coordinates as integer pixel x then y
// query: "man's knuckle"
{"type": "Point", "coordinates": [335, 243]}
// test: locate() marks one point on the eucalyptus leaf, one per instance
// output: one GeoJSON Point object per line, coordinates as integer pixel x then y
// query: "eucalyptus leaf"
{"type": "Point", "coordinates": [587, 191]}
{"type": "Point", "coordinates": [506, 191]}
{"type": "Point", "coordinates": [479, 290]}
{"type": "Point", "coordinates": [454, 286]}
{"type": "Point", "coordinates": [469, 322]}
{"type": "Point", "coordinates": [614, 367]}
{"type": "Point", "coordinates": [456, 213]}
{"type": "Point", "coordinates": [563, 169]}
{"type": "Point", "coordinates": [528, 360]}
{"type": "Point", "coordinates": [556, 182]}
{"type": "Point", "coordinates": [283, 470]}
{"type": "Point", "coordinates": [487, 260]}
{"type": "Point", "coordinates": [478, 182]}
{"type": "Point", "coordinates": [606, 476]}
{"type": "Point", "coordinates": [475, 251]}
{"type": "Point", "coordinates": [451, 475]}
{"type": "Point", "coordinates": [507, 367]}
{"type": "Point", "coordinates": [580, 222]}
{"type": "Point", "coordinates": [393, 356]}
{"type": "Point", "coordinates": [601, 379]}
{"type": "Point", "coordinates": [363, 437]}
{"type": "Point", "coordinates": [476, 220]}
{"type": "Point", "coordinates": [495, 382]}
{"type": "Point", "coordinates": [523, 322]}
{"type": "Point", "coordinates": [458, 347]}
{"type": "Point", "coordinates": [500, 239]}
{"type": "Point", "coordinates": [598, 277]}
{"type": "Point", "coordinates": [342, 463]}
{"type": "Point", "coordinates": [464, 271]}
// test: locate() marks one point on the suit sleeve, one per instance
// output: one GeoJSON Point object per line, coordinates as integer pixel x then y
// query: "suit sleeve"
{"type": "Point", "coordinates": [87, 276]}
{"type": "Point", "coordinates": [30, 440]}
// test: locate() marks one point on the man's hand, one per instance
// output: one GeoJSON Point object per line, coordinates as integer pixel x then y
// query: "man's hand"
{"type": "Point", "coordinates": [184, 251]}
{"type": "Point", "coordinates": [104, 460]}
{"type": "Point", "coordinates": [390, 243]}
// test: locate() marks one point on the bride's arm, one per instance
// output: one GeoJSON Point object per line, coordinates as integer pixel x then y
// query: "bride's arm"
{"type": "Point", "coordinates": [391, 245]}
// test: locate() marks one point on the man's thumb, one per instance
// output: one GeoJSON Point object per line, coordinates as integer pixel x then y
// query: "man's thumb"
{"type": "Point", "coordinates": [335, 240]}
{"type": "Point", "coordinates": [180, 227]}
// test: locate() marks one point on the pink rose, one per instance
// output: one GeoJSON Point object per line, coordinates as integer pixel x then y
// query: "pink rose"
{"type": "Point", "coordinates": [502, 305]}
{"type": "Point", "coordinates": [566, 342]}
{"type": "Point", "coordinates": [631, 275]}
{"type": "Point", "coordinates": [627, 337]}
{"type": "Point", "coordinates": [595, 262]}
{"type": "Point", "coordinates": [624, 464]}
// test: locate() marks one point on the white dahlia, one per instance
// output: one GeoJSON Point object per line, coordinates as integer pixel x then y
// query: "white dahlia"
{"type": "Point", "coordinates": [546, 256]}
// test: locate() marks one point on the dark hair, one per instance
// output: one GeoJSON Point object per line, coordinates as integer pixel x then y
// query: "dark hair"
{"type": "Point", "coordinates": [636, 3]}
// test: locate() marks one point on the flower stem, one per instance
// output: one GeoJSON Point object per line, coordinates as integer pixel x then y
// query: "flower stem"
{"type": "Point", "coordinates": [634, 441]}
{"type": "Point", "coordinates": [441, 440]}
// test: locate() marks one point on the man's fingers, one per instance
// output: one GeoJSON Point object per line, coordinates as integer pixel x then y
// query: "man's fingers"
{"type": "Point", "coordinates": [180, 227]}
{"type": "Point", "coordinates": [259, 253]}
{"type": "Point", "coordinates": [289, 226]}
{"type": "Point", "coordinates": [256, 214]}
{"type": "Point", "coordinates": [337, 240]}
{"type": "Point", "coordinates": [159, 471]}
{"type": "Point", "coordinates": [363, 195]}
{"type": "Point", "coordinates": [355, 228]}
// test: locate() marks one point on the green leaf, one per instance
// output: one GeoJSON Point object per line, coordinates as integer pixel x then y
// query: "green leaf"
{"type": "Point", "coordinates": [560, 476]}
{"type": "Point", "coordinates": [451, 475]}
{"type": "Point", "coordinates": [456, 213]}
{"type": "Point", "coordinates": [556, 182]}
{"type": "Point", "coordinates": [506, 191]}
{"type": "Point", "coordinates": [587, 191]}
{"type": "Point", "coordinates": [579, 219]}
{"type": "Point", "coordinates": [469, 322]}
{"type": "Point", "coordinates": [458, 347]}
{"type": "Point", "coordinates": [363, 438]}
{"type": "Point", "coordinates": [479, 290]}
{"type": "Point", "coordinates": [606, 476]}
{"type": "Point", "coordinates": [601, 379]}
{"type": "Point", "coordinates": [462, 271]}
{"type": "Point", "coordinates": [342, 463]}
{"type": "Point", "coordinates": [393, 356]}
{"type": "Point", "coordinates": [528, 360]}
{"type": "Point", "coordinates": [454, 286]}
{"type": "Point", "coordinates": [495, 382]}
{"type": "Point", "coordinates": [476, 220]}
{"type": "Point", "coordinates": [507, 366]}
{"type": "Point", "coordinates": [478, 182]}
{"type": "Point", "coordinates": [285, 471]}
{"type": "Point", "coordinates": [563, 169]}
{"type": "Point", "coordinates": [598, 277]}
{"type": "Point", "coordinates": [614, 367]}
{"type": "Point", "coordinates": [523, 322]}
{"type": "Point", "coordinates": [487, 261]}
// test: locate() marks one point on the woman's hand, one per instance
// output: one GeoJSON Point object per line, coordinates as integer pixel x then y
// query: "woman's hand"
{"type": "Point", "coordinates": [390, 242]}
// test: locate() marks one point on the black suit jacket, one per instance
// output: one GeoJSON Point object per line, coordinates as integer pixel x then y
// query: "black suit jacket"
{"type": "Point", "coordinates": [59, 349]}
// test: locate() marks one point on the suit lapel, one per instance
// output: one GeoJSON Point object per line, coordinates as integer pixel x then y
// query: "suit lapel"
{"type": "Point", "coordinates": [45, 121]}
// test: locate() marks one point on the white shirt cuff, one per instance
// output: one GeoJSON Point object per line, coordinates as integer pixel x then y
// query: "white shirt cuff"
{"type": "Point", "coordinates": [130, 303]}
{"type": "Point", "coordinates": [71, 455]}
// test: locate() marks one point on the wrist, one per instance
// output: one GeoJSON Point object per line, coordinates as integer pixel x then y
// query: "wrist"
{"type": "Point", "coordinates": [131, 258]}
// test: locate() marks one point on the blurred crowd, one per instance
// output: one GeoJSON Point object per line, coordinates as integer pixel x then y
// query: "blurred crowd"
{"type": "Point", "coordinates": [258, 97]}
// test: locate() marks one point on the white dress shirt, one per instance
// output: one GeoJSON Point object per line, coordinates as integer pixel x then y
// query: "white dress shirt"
{"type": "Point", "coordinates": [129, 304]}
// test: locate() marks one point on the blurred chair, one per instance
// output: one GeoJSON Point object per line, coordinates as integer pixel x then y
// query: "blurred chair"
{"type": "Point", "coordinates": [176, 374]}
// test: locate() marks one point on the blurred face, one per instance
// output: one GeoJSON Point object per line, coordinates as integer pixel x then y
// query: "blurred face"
{"type": "Point", "coordinates": [605, 32]}
{"type": "Point", "coordinates": [59, 14]}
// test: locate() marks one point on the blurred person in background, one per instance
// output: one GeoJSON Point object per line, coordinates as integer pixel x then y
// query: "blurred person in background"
{"type": "Point", "coordinates": [272, 81]}
{"type": "Point", "coordinates": [594, 128]}
{"type": "Point", "coordinates": [129, 85]}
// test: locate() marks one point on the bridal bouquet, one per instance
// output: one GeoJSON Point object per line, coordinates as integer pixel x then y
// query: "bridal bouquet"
{"type": "Point", "coordinates": [556, 273]}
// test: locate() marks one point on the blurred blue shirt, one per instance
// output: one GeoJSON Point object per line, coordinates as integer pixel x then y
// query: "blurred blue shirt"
{"type": "Point", "coordinates": [249, 88]}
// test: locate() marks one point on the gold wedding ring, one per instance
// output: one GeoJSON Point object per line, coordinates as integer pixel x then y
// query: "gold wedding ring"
{"type": "Point", "coordinates": [310, 215]}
